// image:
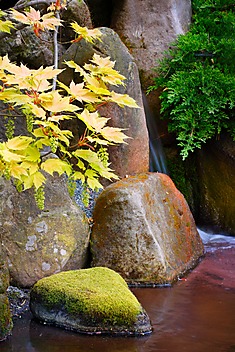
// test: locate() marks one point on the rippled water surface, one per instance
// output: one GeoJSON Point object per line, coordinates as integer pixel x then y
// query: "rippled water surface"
{"type": "Point", "coordinates": [197, 314]}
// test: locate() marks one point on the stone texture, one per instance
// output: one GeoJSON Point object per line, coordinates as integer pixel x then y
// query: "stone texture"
{"type": "Point", "coordinates": [25, 47]}
{"type": "Point", "coordinates": [94, 301]}
{"type": "Point", "coordinates": [131, 158]}
{"type": "Point", "coordinates": [40, 243]}
{"type": "Point", "coordinates": [216, 177]}
{"type": "Point", "coordinates": [148, 28]}
{"type": "Point", "coordinates": [144, 230]}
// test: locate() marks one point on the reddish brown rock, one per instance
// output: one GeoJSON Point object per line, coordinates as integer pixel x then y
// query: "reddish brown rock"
{"type": "Point", "coordinates": [144, 230]}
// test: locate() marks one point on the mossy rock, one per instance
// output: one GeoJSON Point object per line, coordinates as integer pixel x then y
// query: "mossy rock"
{"type": "Point", "coordinates": [5, 317]}
{"type": "Point", "coordinates": [94, 301]}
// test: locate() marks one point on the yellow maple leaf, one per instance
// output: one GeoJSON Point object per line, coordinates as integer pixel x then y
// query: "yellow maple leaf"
{"type": "Point", "coordinates": [102, 61]}
{"type": "Point", "coordinates": [19, 143]}
{"type": "Point", "coordinates": [87, 34]}
{"type": "Point", "coordinates": [123, 100]}
{"type": "Point", "coordinates": [56, 165]}
{"type": "Point", "coordinates": [113, 134]}
{"type": "Point", "coordinates": [30, 166]}
{"type": "Point", "coordinates": [93, 120]}
{"type": "Point", "coordinates": [34, 18]}
{"type": "Point", "coordinates": [10, 156]}
{"type": "Point", "coordinates": [36, 179]}
{"type": "Point", "coordinates": [5, 25]}
{"type": "Point", "coordinates": [79, 93]}
{"type": "Point", "coordinates": [54, 102]}
{"type": "Point", "coordinates": [17, 171]}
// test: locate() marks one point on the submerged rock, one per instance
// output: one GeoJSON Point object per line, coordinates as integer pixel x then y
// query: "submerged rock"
{"type": "Point", "coordinates": [144, 230]}
{"type": "Point", "coordinates": [93, 301]}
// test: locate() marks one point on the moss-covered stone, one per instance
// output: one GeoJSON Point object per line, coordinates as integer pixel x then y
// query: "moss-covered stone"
{"type": "Point", "coordinates": [5, 317]}
{"type": "Point", "coordinates": [89, 300]}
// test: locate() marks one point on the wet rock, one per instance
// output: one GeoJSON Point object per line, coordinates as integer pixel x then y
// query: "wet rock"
{"type": "Point", "coordinates": [93, 301]}
{"type": "Point", "coordinates": [40, 243]}
{"type": "Point", "coordinates": [216, 170]}
{"type": "Point", "coordinates": [126, 159]}
{"type": "Point", "coordinates": [144, 230]}
{"type": "Point", "coordinates": [19, 301]}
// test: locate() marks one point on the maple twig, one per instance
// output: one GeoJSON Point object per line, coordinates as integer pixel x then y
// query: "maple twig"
{"type": "Point", "coordinates": [21, 4]}
{"type": "Point", "coordinates": [56, 51]}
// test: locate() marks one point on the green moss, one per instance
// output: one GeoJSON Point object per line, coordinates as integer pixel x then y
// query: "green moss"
{"type": "Point", "coordinates": [5, 317]}
{"type": "Point", "coordinates": [99, 293]}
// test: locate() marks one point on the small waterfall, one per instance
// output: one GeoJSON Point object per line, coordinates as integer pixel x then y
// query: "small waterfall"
{"type": "Point", "coordinates": [157, 160]}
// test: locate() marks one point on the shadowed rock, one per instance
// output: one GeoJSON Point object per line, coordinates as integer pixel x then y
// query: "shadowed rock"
{"type": "Point", "coordinates": [144, 230]}
{"type": "Point", "coordinates": [216, 169]}
{"type": "Point", "coordinates": [93, 301]}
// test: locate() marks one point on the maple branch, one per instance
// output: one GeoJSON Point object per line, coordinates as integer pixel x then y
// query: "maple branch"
{"type": "Point", "coordinates": [21, 4]}
{"type": "Point", "coordinates": [56, 50]}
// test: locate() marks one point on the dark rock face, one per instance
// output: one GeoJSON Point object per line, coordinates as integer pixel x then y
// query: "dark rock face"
{"type": "Point", "coordinates": [40, 243]}
{"type": "Point", "coordinates": [144, 230]}
{"type": "Point", "coordinates": [217, 185]}
{"type": "Point", "coordinates": [94, 301]}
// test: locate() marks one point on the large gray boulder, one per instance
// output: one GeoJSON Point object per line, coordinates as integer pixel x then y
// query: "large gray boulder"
{"type": "Point", "coordinates": [40, 243]}
{"type": "Point", "coordinates": [93, 301]}
{"type": "Point", "coordinates": [126, 159]}
{"type": "Point", "coordinates": [148, 28]}
{"type": "Point", "coordinates": [144, 230]}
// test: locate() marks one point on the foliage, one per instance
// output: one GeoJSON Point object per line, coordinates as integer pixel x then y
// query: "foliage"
{"type": "Point", "coordinates": [197, 76]}
{"type": "Point", "coordinates": [45, 107]}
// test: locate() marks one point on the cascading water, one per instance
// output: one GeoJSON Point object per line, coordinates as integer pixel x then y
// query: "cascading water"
{"type": "Point", "coordinates": [157, 160]}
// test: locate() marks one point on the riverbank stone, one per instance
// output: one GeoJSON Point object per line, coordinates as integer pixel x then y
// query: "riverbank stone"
{"type": "Point", "coordinates": [94, 301]}
{"type": "Point", "coordinates": [144, 230]}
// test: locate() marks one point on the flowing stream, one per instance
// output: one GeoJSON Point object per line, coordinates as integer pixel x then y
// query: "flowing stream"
{"type": "Point", "coordinates": [196, 314]}
{"type": "Point", "coordinates": [157, 160]}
